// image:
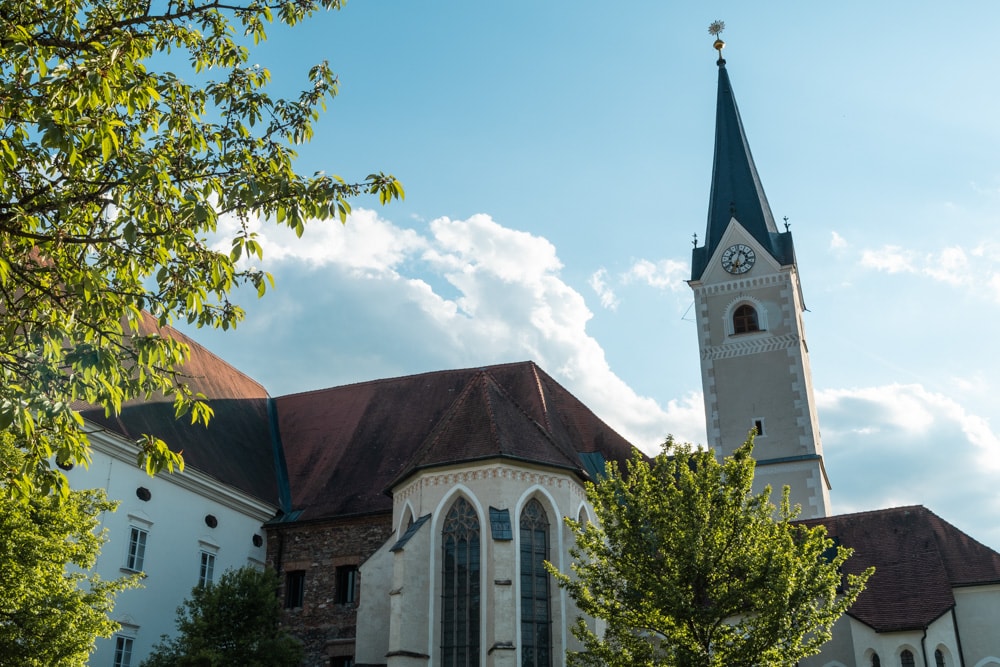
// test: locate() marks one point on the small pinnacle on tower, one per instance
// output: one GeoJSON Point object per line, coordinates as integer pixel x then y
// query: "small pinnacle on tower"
{"type": "Point", "coordinates": [716, 29]}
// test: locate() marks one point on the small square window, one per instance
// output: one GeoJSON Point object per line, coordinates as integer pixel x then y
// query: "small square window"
{"type": "Point", "coordinates": [136, 549]}
{"type": "Point", "coordinates": [347, 580]}
{"type": "Point", "coordinates": [295, 588]}
{"type": "Point", "coordinates": [206, 573]}
{"type": "Point", "coordinates": [123, 651]}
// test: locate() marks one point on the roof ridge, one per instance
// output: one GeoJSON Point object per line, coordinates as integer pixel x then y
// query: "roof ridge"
{"type": "Point", "coordinates": [434, 436]}
{"type": "Point", "coordinates": [542, 396]}
{"type": "Point", "coordinates": [482, 381]}
{"type": "Point", "coordinates": [397, 378]}
{"type": "Point", "coordinates": [883, 510]}
{"type": "Point", "coordinates": [545, 430]}
{"type": "Point", "coordinates": [191, 342]}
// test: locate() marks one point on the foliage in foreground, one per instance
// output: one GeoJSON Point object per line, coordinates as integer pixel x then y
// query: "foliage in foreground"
{"type": "Point", "coordinates": [51, 609]}
{"type": "Point", "coordinates": [113, 171]}
{"type": "Point", "coordinates": [686, 566]}
{"type": "Point", "coordinates": [232, 623]}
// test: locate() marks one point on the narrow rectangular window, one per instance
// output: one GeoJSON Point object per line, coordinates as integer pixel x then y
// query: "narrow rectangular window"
{"type": "Point", "coordinates": [758, 426]}
{"type": "Point", "coordinates": [207, 572]}
{"type": "Point", "coordinates": [295, 588]}
{"type": "Point", "coordinates": [136, 549]}
{"type": "Point", "coordinates": [123, 651]}
{"type": "Point", "coordinates": [347, 580]}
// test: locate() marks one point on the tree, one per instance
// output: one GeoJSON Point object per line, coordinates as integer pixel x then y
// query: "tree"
{"type": "Point", "coordinates": [113, 173]}
{"type": "Point", "coordinates": [232, 623]}
{"type": "Point", "coordinates": [688, 567]}
{"type": "Point", "coordinates": [51, 611]}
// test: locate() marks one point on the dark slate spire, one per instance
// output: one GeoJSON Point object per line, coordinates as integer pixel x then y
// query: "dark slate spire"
{"type": "Point", "coordinates": [736, 188]}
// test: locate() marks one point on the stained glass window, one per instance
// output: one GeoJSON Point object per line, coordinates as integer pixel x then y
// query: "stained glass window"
{"type": "Point", "coordinates": [536, 621]}
{"type": "Point", "coordinates": [460, 587]}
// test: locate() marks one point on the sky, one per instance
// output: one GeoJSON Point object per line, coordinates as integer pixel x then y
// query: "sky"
{"type": "Point", "coordinates": [557, 160]}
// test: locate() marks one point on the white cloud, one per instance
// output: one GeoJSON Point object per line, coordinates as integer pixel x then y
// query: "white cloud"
{"type": "Point", "coordinates": [950, 266]}
{"type": "Point", "coordinates": [902, 444]}
{"type": "Point", "coordinates": [366, 244]}
{"type": "Point", "coordinates": [955, 266]}
{"type": "Point", "coordinates": [371, 299]}
{"type": "Point", "coordinates": [837, 242]}
{"type": "Point", "coordinates": [891, 259]}
{"type": "Point", "coordinates": [665, 274]}
{"type": "Point", "coordinates": [600, 286]}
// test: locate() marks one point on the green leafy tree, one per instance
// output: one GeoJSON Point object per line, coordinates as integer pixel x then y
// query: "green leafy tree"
{"type": "Point", "coordinates": [232, 623]}
{"type": "Point", "coordinates": [114, 169]}
{"type": "Point", "coordinates": [686, 566]}
{"type": "Point", "coordinates": [51, 609]}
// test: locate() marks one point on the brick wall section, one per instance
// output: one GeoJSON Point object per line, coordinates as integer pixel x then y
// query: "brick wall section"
{"type": "Point", "coordinates": [325, 627]}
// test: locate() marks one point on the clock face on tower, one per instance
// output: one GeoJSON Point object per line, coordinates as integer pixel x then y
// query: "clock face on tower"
{"type": "Point", "coordinates": [738, 258]}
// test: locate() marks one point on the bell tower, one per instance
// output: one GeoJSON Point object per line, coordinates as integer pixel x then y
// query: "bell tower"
{"type": "Point", "coordinates": [748, 300]}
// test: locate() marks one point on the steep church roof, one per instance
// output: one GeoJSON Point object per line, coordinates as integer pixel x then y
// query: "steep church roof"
{"type": "Point", "coordinates": [236, 448]}
{"type": "Point", "coordinates": [345, 447]}
{"type": "Point", "coordinates": [737, 191]}
{"type": "Point", "coordinates": [919, 559]}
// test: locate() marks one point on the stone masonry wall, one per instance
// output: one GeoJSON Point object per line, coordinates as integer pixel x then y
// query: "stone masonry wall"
{"type": "Point", "coordinates": [325, 627]}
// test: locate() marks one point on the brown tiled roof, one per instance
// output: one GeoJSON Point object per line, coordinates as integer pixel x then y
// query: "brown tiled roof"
{"type": "Point", "coordinates": [918, 557]}
{"type": "Point", "coordinates": [236, 446]}
{"type": "Point", "coordinates": [345, 446]}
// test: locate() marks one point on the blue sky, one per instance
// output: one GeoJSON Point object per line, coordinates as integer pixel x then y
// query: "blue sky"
{"type": "Point", "coordinates": [557, 157]}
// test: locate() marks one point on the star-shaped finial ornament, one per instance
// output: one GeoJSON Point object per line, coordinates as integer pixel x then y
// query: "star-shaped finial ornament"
{"type": "Point", "coordinates": [716, 28]}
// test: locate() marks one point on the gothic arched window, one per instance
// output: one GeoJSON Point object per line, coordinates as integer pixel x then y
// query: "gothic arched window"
{"type": "Point", "coordinates": [939, 658]}
{"type": "Point", "coordinates": [536, 618]}
{"type": "Point", "coordinates": [906, 658]}
{"type": "Point", "coordinates": [875, 660]}
{"type": "Point", "coordinates": [460, 600]}
{"type": "Point", "coordinates": [745, 319]}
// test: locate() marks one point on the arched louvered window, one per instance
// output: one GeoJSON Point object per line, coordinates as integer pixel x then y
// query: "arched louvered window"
{"type": "Point", "coordinates": [460, 587]}
{"type": "Point", "coordinates": [745, 319]}
{"type": "Point", "coordinates": [536, 617]}
{"type": "Point", "coordinates": [938, 658]}
{"type": "Point", "coordinates": [906, 658]}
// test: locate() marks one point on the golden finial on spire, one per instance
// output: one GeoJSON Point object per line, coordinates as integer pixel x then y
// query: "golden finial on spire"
{"type": "Point", "coordinates": [716, 29]}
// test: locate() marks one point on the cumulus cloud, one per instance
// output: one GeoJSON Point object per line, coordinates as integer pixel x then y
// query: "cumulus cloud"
{"type": "Point", "coordinates": [371, 298]}
{"type": "Point", "coordinates": [902, 444]}
{"type": "Point", "coordinates": [367, 244]}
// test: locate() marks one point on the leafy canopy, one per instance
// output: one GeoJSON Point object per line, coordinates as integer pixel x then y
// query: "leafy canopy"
{"type": "Point", "coordinates": [232, 623]}
{"type": "Point", "coordinates": [112, 174]}
{"type": "Point", "coordinates": [51, 609]}
{"type": "Point", "coordinates": [686, 566]}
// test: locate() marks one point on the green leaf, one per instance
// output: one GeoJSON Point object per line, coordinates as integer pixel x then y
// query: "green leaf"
{"type": "Point", "coordinates": [118, 162]}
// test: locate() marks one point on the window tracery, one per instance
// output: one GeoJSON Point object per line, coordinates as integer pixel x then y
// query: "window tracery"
{"type": "Point", "coordinates": [460, 588]}
{"type": "Point", "coordinates": [536, 616]}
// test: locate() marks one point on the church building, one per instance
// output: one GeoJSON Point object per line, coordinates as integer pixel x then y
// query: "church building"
{"type": "Point", "coordinates": [408, 518]}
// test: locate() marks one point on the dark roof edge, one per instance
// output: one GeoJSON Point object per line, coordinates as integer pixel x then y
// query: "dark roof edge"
{"type": "Point", "coordinates": [973, 584]}
{"type": "Point", "coordinates": [579, 471]}
{"type": "Point", "coordinates": [330, 519]}
{"type": "Point", "coordinates": [280, 467]}
{"type": "Point", "coordinates": [902, 628]}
